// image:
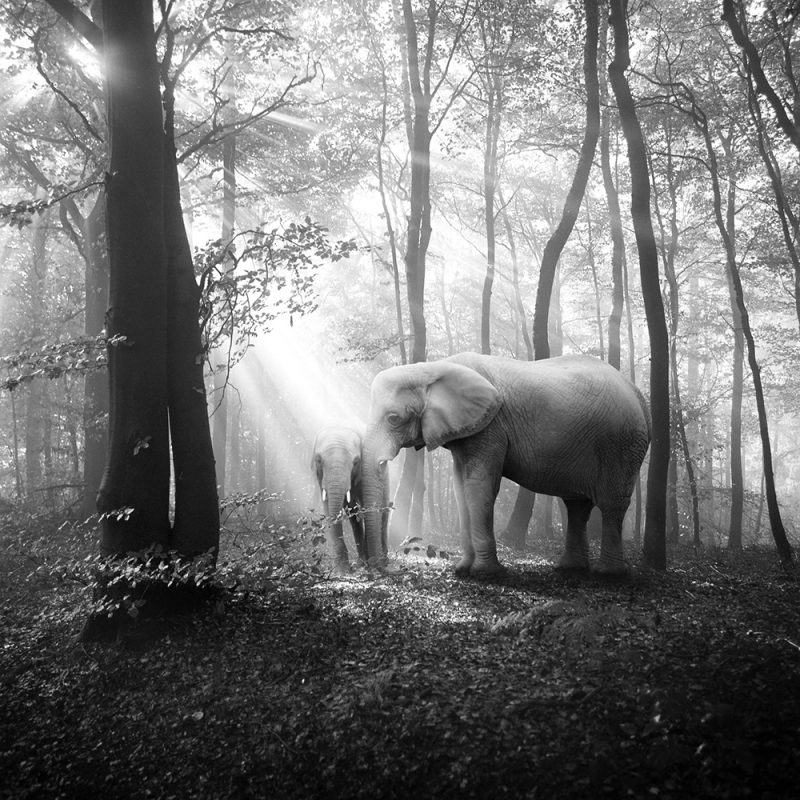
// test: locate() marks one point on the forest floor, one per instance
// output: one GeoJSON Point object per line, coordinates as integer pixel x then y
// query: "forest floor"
{"type": "Point", "coordinates": [411, 684]}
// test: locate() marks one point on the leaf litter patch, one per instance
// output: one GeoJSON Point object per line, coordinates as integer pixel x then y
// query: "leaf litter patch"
{"type": "Point", "coordinates": [416, 683]}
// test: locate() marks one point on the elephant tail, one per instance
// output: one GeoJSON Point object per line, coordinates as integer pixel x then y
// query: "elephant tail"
{"type": "Point", "coordinates": [645, 406]}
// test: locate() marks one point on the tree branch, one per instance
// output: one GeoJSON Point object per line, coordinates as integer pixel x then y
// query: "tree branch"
{"type": "Point", "coordinates": [79, 21]}
{"type": "Point", "coordinates": [754, 65]}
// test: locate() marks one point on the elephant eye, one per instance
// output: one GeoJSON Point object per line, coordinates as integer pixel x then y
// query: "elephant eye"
{"type": "Point", "coordinates": [394, 419]}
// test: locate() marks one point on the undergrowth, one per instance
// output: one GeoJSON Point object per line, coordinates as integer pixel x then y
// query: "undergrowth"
{"type": "Point", "coordinates": [295, 683]}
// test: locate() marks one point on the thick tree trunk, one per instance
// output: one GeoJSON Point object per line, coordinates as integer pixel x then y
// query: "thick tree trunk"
{"type": "Point", "coordinates": [134, 492]}
{"type": "Point", "coordinates": [572, 205]}
{"type": "Point", "coordinates": [655, 554]}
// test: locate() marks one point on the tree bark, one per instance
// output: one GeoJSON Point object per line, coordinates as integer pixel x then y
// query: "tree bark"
{"type": "Point", "coordinates": [196, 525]}
{"type": "Point", "coordinates": [654, 545]}
{"type": "Point", "coordinates": [220, 358]}
{"type": "Point", "coordinates": [95, 403]}
{"type": "Point", "coordinates": [782, 545]}
{"type": "Point", "coordinates": [614, 215]}
{"type": "Point", "coordinates": [738, 29]}
{"type": "Point", "coordinates": [419, 220]}
{"type": "Point", "coordinates": [572, 205]}
{"type": "Point", "coordinates": [736, 467]}
{"type": "Point", "coordinates": [493, 117]}
{"type": "Point", "coordinates": [137, 472]}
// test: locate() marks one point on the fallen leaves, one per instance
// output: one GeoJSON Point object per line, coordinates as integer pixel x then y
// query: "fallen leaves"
{"type": "Point", "coordinates": [417, 684]}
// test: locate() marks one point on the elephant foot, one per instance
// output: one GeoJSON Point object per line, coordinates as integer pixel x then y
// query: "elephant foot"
{"type": "Point", "coordinates": [463, 567]}
{"type": "Point", "coordinates": [482, 570]}
{"type": "Point", "coordinates": [570, 562]}
{"type": "Point", "coordinates": [378, 562]}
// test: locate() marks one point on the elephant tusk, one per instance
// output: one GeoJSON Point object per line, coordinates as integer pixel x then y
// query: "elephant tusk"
{"type": "Point", "coordinates": [324, 495]}
{"type": "Point", "coordinates": [347, 496]}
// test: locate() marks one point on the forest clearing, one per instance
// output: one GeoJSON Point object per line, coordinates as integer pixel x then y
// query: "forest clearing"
{"type": "Point", "coordinates": [410, 684]}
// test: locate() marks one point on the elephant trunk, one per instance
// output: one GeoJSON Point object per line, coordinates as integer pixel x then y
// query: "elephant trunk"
{"type": "Point", "coordinates": [335, 488]}
{"type": "Point", "coordinates": [375, 492]}
{"type": "Point", "coordinates": [335, 484]}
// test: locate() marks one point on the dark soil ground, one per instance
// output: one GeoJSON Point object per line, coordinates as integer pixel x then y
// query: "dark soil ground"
{"type": "Point", "coordinates": [408, 685]}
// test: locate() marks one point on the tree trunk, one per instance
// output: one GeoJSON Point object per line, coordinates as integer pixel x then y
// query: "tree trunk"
{"type": "Point", "coordinates": [522, 322]}
{"type": "Point", "coordinates": [221, 355]}
{"type": "Point", "coordinates": [754, 67]}
{"type": "Point", "coordinates": [572, 205]}
{"type": "Point", "coordinates": [776, 523]}
{"type": "Point", "coordinates": [736, 469]}
{"type": "Point", "coordinates": [136, 475]}
{"type": "Point", "coordinates": [402, 522]}
{"type": "Point", "coordinates": [95, 403]}
{"type": "Point", "coordinates": [493, 116]}
{"type": "Point", "coordinates": [196, 526]}
{"type": "Point", "coordinates": [669, 249]}
{"type": "Point", "coordinates": [655, 554]}
{"type": "Point", "coordinates": [516, 530]}
{"type": "Point", "coordinates": [614, 215]}
{"type": "Point", "coordinates": [18, 484]}
{"type": "Point", "coordinates": [595, 282]}
{"type": "Point", "coordinates": [401, 336]}
{"type": "Point", "coordinates": [419, 232]}
{"type": "Point", "coordinates": [419, 220]}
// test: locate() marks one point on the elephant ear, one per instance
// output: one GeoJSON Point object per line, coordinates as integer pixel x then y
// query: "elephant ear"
{"type": "Point", "coordinates": [459, 403]}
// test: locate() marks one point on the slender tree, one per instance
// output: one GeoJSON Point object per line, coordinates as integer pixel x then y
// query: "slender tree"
{"type": "Point", "coordinates": [654, 545]}
{"type": "Point", "coordinates": [572, 204]}
{"type": "Point", "coordinates": [782, 545]}
{"type": "Point", "coordinates": [612, 201]}
{"type": "Point", "coordinates": [221, 358]}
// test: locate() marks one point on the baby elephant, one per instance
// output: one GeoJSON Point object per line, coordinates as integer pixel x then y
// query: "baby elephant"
{"type": "Point", "coordinates": [337, 465]}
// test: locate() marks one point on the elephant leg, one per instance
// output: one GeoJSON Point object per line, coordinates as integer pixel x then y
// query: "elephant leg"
{"type": "Point", "coordinates": [357, 524]}
{"type": "Point", "coordinates": [576, 550]}
{"type": "Point", "coordinates": [612, 559]}
{"type": "Point", "coordinates": [341, 561]}
{"type": "Point", "coordinates": [464, 565]}
{"type": "Point", "coordinates": [480, 486]}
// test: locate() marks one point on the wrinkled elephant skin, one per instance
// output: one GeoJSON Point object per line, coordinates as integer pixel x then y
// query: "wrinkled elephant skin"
{"type": "Point", "coordinates": [571, 426]}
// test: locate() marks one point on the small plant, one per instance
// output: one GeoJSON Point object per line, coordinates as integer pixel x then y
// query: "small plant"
{"type": "Point", "coordinates": [154, 581]}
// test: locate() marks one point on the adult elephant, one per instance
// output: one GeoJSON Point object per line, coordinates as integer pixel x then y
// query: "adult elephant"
{"type": "Point", "coordinates": [571, 426]}
{"type": "Point", "coordinates": [336, 463]}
